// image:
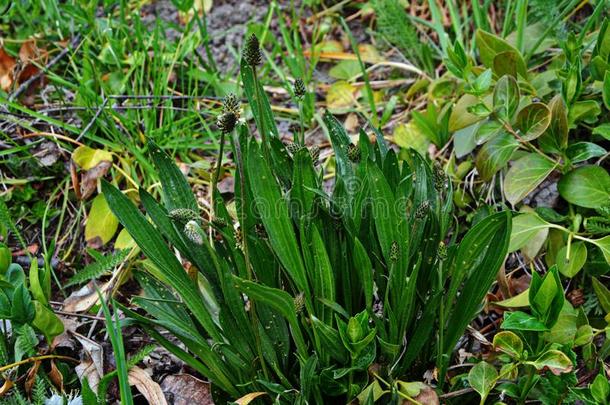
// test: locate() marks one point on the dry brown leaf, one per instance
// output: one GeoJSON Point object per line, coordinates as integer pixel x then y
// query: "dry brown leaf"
{"type": "Point", "coordinates": [30, 378]}
{"type": "Point", "coordinates": [56, 377]}
{"type": "Point", "coordinates": [82, 300]}
{"type": "Point", "coordinates": [88, 182]}
{"type": "Point", "coordinates": [6, 387]}
{"type": "Point", "coordinates": [246, 399]}
{"type": "Point", "coordinates": [95, 352]}
{"type": "Point", "coordinates": [86, 369]}
{"type": "Point", "coordinates": [147, 387]}
{"type": "Point", "coordinates": [184, 389]}
{"type": "Point", "coordinates": [65, 339]}
{"type": "Point", "coordinates": [427, 396]}
{"type": "Point", "coordinates": [7, 67]}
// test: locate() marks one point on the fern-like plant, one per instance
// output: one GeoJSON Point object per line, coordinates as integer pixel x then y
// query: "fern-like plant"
{"type": "Point", "coordinates": [300, 293]}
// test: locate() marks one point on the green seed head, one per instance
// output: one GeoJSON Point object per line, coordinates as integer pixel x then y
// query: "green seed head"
{"type": "Point", "coordinates": [299, 88]}
{"type": "Point", "coordinates": [193, 232]}
{"type": "Point", "coordinates": [239, 239]}
{"type": "Point", "coordinates": [422, 210]}
{"type": "Point", "coordinates": [314, 152]}
{"type": "Point", "coordinates": [226, 122]}
{"type": "Point", "coordinates": [219, 221]}
{"type": "Point", "coordinates": [293, 148]}
{"type": "Point", "coordinates": [183, 215]}
{"type": "Point", "coordinates": [252, 51]}
{"type": "Point", "coordinates": [394, 251]}
{"type": "Point", "coordinates": [353, 153]}
{"type": "Point", "coordinates": [442, 251]}
{"type": "Point", "coordinates": [299, 303]}
{"type": "Point", "coordinates": [440, 178]}
{"type": "Point", "coordinates": [231, 104]}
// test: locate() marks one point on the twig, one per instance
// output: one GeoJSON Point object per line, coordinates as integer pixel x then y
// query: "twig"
{"type": "Point", "coordinates": [95, 117]}
{"type": "Point", "coordinates": [35, 359]}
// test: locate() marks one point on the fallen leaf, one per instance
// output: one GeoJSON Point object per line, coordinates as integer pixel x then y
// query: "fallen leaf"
{"type": "Point", "coordinates": [351, 123]}
{"type": "Point", "coordinates": [7, 67]}
{"type": "Point", "coordinates": [30, 378]}
{"type": "Point", "coordinates": [87, 370]}
{"type": "Point", "coordinates": [147, 387]}
{"type": "Point", "coordinates": [340, 95]}
{"type": "Point", "coordinates": [56, 377]}
{"type": "Point", "coordinates": [89, 178]}
{"type": "Point", "coordinates": [101, 224]}
{"type": "Point", "coordinates": [184, 389]}
{"type": "Point", "coordinates": [6, 387]}
{"type": "Point", "coordinates": [93, 367]}
{"type": "Point", "coordinates": [65, 339]}
{"type": "Point", "coordinates": [246, 399]}
{"type": "Point", "coordinates": [87, 158]}
{"type": "Point", "coordinates": [82, 300]}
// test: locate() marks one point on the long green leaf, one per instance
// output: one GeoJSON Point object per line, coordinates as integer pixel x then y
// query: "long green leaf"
{"type": "Point", "coordinates": [152, 244]}
{"type": "Point", "coordinates": [274, 214]}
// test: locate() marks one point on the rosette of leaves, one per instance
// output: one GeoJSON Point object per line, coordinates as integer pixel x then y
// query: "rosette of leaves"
{"type": "Point", "coordinates": [337, 281]}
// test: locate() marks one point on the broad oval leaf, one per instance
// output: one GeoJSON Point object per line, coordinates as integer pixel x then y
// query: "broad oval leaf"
{"type": "Point", "coordinates": [494, 155]}
{"type": "Point", "coordinates": [533, 120]}
{"type": "Point", "coordinates": [509, 63]}
{"type": "Point", "coordinates": [525, 228]}
{"type": "Point", "coordinates": [87, 158]}
{"type": "Point", "coordinates": [482, 378]}
{"type": "Point", "coordinates": [509, 343]}
{"type": "Point", "coordinates": [556, 361]}
{"type": "Point", "coordinates": [555, 139]}
{"type": "Point", "coordinates": [490, 46]}
{"type": "Point", "coordinates": [101, 223]}
{"type": "Point", "coordinates": [581, 151]}
{"type": "Point", "coordinates": [521, 321]}
{"type": "Point", "coordinates": [570, 266]}
{"type": "Point", "coordinates": [525, 175]}
{"type": "Point", "coordinates": [506, 97]}
{"type": "Point", "coordinates": [586, 186]}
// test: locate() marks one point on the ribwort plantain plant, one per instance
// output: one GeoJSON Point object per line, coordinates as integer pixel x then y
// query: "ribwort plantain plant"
{"type": "Point", "coordinates": [305, 295]}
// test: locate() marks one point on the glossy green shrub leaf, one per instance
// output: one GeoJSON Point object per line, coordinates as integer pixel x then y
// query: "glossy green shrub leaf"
{"type": "Point", "coordinates": [606, 90]}
{"type": "Point", "coordinates": [533, 120]}
{"type": "Point", "coordinates": [600, 388]}
{"type": "Point", "coordinates": [555, 361]}
{"type": "Point", "coordinates": [525, 175]}
{"type": "Point", "coordinates": [491, 46]}
{"type": "Point", "coordinates": [506, 98]}
{"type": "Point", "coordinates": [546, 297]}
{"type": "Point", "coordinates": [581, 151]}
{"type": "Point", "coordinates": [482, 378]}
{"type": "Point", "coordinates": [509, 343]}
{"type": "Point", "coordinates": [586, 186]}
{"type": "Point", "coordinates": [555, 139]}
{"type": "Point", "coordinates": [570, 266]}
{"type": "Point", "coordinates": [523, 322]}
{"type": "Point", "coordinates": [525, 228]}
{"type": "Point", "coordinates": [22, 310]}
{"type": "Point", "coordinates": [494, 155]}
